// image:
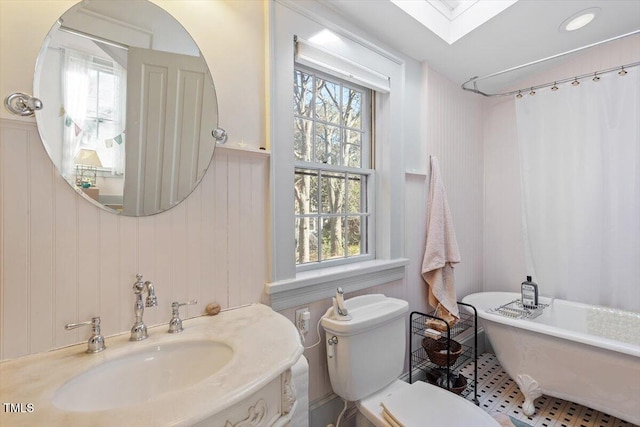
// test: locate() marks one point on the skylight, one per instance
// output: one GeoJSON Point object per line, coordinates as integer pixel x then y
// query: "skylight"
{"type": "Point", "coordinates": [452, 19]}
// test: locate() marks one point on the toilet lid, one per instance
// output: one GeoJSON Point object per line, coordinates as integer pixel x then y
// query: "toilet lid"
{"type": "Point", "coordinates": [422, 404]}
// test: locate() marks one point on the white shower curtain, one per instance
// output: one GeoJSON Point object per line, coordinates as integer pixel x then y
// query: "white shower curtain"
{"type": "Point", "coordinates": [580, 170]}
{"type": "Point", "coordinates": [75, 92]}
{"type": "Point", "coordinates": [77, 85]}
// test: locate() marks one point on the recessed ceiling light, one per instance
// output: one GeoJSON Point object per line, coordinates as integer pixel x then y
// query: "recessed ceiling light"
{"type": "Point", "coordinates": [579, 20]}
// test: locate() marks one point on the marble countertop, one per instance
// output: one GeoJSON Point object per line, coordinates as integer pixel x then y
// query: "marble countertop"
{"type": "Point", "coordinates": [265, 344]}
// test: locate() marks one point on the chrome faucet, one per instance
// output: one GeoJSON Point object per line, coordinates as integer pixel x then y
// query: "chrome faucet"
{"type": "Point", "coordinates": [175, 324]}
{"type": "Point", "coordinates": [95, 343]}
{"type": "Point", "coordinates": [139, 329]}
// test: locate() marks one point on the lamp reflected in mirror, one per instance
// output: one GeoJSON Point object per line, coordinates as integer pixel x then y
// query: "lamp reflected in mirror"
{"type": "Point", "coordinates": [88, 158]}
{"type": "Point", "coordinates": [87, 163]}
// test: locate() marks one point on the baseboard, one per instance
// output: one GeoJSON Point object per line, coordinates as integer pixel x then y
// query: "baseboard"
{"type": "Point", "coordinates": [322, 401]}
{"type": "Point", "coordinates": [325, 411]}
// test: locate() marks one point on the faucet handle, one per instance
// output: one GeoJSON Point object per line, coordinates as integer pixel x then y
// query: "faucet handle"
{"type": "Point", "coordinates": [175, 324]}
{"type": "Point", "coordinates": [95, 343]}
{"type": "Point", "coordinates": [180, 304]}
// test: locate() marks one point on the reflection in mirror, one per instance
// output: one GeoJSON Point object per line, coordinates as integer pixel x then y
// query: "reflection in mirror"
{"type": "Point", "coordinates": [129, 105]}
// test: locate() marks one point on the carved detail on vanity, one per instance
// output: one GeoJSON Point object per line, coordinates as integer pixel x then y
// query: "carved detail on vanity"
{"type": "Point", "coordinates": [257, 414]}
{"type": "Point", "coordinates": [271, 406]}
{"type": "Point", "coordinates": [288, 392]}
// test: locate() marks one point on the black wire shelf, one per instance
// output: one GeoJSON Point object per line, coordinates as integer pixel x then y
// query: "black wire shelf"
{"type": "Point", "coordinates": [438, 366]}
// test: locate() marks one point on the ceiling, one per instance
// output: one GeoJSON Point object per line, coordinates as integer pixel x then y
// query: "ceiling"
{"type": "Point", "coordinates": [526, 31]}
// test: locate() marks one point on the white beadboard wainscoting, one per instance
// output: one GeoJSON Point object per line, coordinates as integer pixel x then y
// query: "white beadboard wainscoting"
{"type": "Point", "coordinates": [65, 260]}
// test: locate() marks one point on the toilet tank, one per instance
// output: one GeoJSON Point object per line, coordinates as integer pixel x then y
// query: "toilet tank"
{"type": "Point", "coordinates": [370, 349]}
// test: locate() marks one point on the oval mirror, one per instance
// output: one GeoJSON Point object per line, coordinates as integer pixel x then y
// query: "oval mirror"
{"type": "Point", "coordinates": [129, 105]}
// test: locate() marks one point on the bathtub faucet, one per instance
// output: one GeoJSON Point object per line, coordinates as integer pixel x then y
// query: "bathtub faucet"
{"type": "Point", "coordinates": [139, 329]}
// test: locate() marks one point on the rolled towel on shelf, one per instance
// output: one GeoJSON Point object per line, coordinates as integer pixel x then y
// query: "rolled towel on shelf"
{"type": "Point", "coordinates": [444, 318]}
{"type": "Point", "coordinates": [432, 333]}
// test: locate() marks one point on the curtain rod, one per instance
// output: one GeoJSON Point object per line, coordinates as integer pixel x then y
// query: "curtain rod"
{"type": "Point", "coordinates": [476, 79]}
{"type": "Point", "coordinates": [91, 36]}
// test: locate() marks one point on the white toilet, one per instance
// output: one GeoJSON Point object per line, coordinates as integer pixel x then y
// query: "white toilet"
{"type": "Point", "coordinates": [365, 356]}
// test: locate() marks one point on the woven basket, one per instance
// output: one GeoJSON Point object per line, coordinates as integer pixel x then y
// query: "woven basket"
{"type": "Point", "coordinates": [436, 350]}
{"type": "Point", "coordinates": [460, 385]}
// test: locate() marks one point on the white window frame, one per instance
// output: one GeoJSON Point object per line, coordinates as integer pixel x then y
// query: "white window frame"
{"type": "Point", "coordinates": [365, 170]}
{"type": "Point", "coordinates": [287, 286]}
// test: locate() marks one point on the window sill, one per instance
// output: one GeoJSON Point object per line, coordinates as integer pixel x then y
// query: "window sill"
{"type": "Point", "coordinates": [314, 285]}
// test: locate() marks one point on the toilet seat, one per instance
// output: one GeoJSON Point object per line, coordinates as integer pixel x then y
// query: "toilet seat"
{"type": "Point", "coordinates": [421, 405]}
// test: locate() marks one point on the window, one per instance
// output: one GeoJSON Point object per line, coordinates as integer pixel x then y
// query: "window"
{"type": "Point", "coordinates": [373, 254]}
{"type": "Point", "coordinates": [102, 121]}
{"type": "Point", "coordinates": [94, 96]}
{"type": "Point", "coordinates": [332, 167]}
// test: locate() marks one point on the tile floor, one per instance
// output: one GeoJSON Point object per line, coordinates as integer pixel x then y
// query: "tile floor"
{"type": "Point", "coordinates": [498, 393]}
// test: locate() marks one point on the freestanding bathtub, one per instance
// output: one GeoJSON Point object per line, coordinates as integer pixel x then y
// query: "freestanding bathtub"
{"type": "Point", "coordinates": [582, 353]}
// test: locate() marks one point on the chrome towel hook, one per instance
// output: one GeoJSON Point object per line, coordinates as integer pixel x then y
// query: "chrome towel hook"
{"type": "Point", "coordinates": [22, 104]}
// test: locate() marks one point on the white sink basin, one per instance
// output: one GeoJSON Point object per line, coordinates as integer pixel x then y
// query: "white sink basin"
{"type": "Point", "coordinates": [143, 375]}
{"type": "Point", "coordinates": [205, 375]}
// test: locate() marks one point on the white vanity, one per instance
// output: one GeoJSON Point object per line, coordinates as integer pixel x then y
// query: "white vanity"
{"type": "Point", "coordinates": [233, 369]}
